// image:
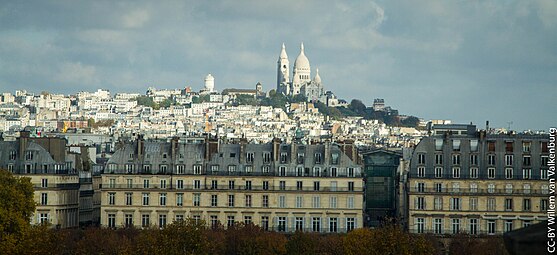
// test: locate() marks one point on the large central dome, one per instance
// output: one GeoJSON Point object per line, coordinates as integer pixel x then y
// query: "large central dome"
{"type": "Point", "coordinates": [302, 62]}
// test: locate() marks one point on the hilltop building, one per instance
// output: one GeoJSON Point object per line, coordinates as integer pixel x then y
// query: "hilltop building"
{"type": "Point", "coordinates": [301, 82]}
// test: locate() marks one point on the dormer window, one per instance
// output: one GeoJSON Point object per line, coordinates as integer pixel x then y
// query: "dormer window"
{"type": "Point", "coordinates": [13, 155]}
{"type": "Point", "coordinates": [283, 157]}
{"type": "Point", "coordinates": [28, 155]}
{"type": "Point", "coordinates": [249, 157]}
{"type": "Point", "coordinates": [318, 158]}
{"type": "Point", "coordinates": [334, 159]}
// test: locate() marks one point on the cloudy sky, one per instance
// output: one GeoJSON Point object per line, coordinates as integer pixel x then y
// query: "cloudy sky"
{"type": "Point", "coordinates": [468, 61]}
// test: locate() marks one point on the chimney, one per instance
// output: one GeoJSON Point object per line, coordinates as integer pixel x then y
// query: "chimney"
{"type": "Point", "coordinates": [327, 152]}
{"type": "Point", "coordinates": [487, 125]}
{"type": "Point", "coordinates": [174, 147]}
{"type": "Point", "coordinates": [211, 146]}
{"type": "Point", "coordinates": [140, 149]}
{"type": "Point", "coordinates": [23, 143]}
{"type": "Point", "coordinates": [243, 142]}
{"type": "Point", "coordinates": [293, 151]}
{"type": "Point", "coordinates": [276, 148]}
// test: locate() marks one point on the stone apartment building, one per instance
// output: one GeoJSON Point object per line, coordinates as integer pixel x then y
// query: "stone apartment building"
{"type": "Point", "coordinates": [278, 186]}
{"type": "Point", "coordinates": [54, 173]}
{"type": "Point", "coordinates": [466, 181]}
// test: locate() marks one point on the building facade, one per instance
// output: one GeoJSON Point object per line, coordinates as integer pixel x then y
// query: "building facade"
{"type": "Point", "coordinates": [381, 175]}
{"type": "Point", "coordinates": [53, 174]}
{"type": "Point", "coordinates": [282, 187]}
{"type": "Point", "coordinates": [467, 181]}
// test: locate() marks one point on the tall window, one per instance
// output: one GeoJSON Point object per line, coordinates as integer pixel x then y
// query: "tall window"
{"type": "Point", "coordinates": [316, 185]}
{"type": "Point", "coordinates": [350, 224]}
{"type": "Point", "coordinates": [265, 185]}
{"type": "Point", "coordinates": [438, 226]}
{"type": "Point", "coordinates": [420, 225]}
{"type": "Point", "coordinates": [145, 220]}
{"type": "Point", "coordinates": [282, 171]}
{"type": "Point", "coordinates": [333, 202]}
{"type": "Point", "coordinates": [456, 172]}
{"type": "Point", "coordinates": [196, 199]}
{"type": "Point", "coordinates": [299, 201]}
{"type": "Point", "coordinates": [44, 183]}
{"type": "Point", "coordinates": [421, 171]}
{"type": "Point", "coordinates": [248, 200]}
{"type": "Point", "coordinates": [474, 159]}
{"type": "Point", "coordinates": [527, 173]}
{"type": "Point", "coordinates": [299, 223]}
{"type": "Point", "coordinates": [438, 203]}
{"type": "Point", "coordinates": [281, 224]}
{"type": "Point", "coordinates": [508, 225]}
{"type": "Point", "coordinates": [333, 225]}
{"type": "Point", "coordinates": [249, 157]}
{"type": "Point", "coordinates": [455, 204]}
{"type": "Point", "coordinates": [350, 202]}
{"type": "Point", "coordinates": [162, 199]}
{"type": "Point", "coordinates": [491, 227]}
{"type": "Point", "coordinates": [474, 172]}
{"type": "Point", "coordinates": [214, 221]}
{"type": "Point", "coordinates": [316, 201]}
{"type": "Point", "coordinates": [421, 159]}
{"type": "Point", "coordinates": [265, 222]}
{"type": "Point", "coordinates": [180, 184]}
{"type": "Point", "coordinates": [44, 198]}
{"type": "Point", "coordinates": [111, 198]}
{"type": "Point", "coordinates": [491, 173]}
{"type": "Point", "coordinates": [248, 185]}
{"type": "Point", "coordinates": [438, 172]}
{"type": "Point", "coordinates": [508, 204]}
{"type": "Point", "coordinates": [526, 205]}
{"type": "Point", "coordinates": [420, 203]}
{"type": "Point", "coordinates": [231, 200]}
{"type": "Point", "coordinates": [145, 198]}
{"type": "Point", "coordinates": [196, 184]}
{"type": "Point", "coordinates": [438, 159]}
{"type": "Point", "coordinates": [473, 226]}
{"type": "Point", "coordinates": [162, 220]}
{"type": "Point", "coordinates": [214, 200]}
{"type": "Point", "coordinates": [111, 220]}
{"type": "Point", "coordinates": [282, 201]}
{"type": "Point", "coordinates": [491, 159]}
{"type": "Point", "coordinates": [316, 224]}
{"type": "Point", "coordinates": [265, 201]}
{"type": "Point", "coordinates": [129, 199]}
{"type": "Point", "coordinates": [455, 226]}
{"type": "Point", "coordinates": [179, 199]}
{"type": "Point", "coordinates": [282, 185]}
{"type": "Point", "coordinates": [509, 159]}
{"type": "Point", "coordinates": [473, 204]}
{"type": "Point", "coordinates": [128, 220]}
{"type": "Point", "coordinates": [230, 220]}
{"type": "Point", "coordinates": [456, 159]}
{"type": "Point", "coordinates": [491, 204]}
{"type": "Point", "coordinates": [508, 173]}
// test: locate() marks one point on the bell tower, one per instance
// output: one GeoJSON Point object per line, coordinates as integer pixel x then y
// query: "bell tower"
{"type": "Point", "coordinates": [283, 76]}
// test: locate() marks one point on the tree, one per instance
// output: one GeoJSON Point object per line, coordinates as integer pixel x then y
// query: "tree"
{"type": "Point", "coordinates": [16, 208]}
{"type": "Point", "coordinates": [146, 101]}
{"type": "Point", "coordinates": [357, 106]}
{"type": "Point", "coordinates": [411, 121]}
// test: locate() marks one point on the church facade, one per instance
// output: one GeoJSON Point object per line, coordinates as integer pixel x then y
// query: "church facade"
{"type": "Point", "coordinates": [301, 82]}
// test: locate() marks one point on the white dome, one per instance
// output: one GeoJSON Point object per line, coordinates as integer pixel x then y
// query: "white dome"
{"type": "Point", "coordinates": [302, 62]}
{"type": "Point", "coordinates": [209, 82]}
{"type": "Point", "coordinates": [317, 78]}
